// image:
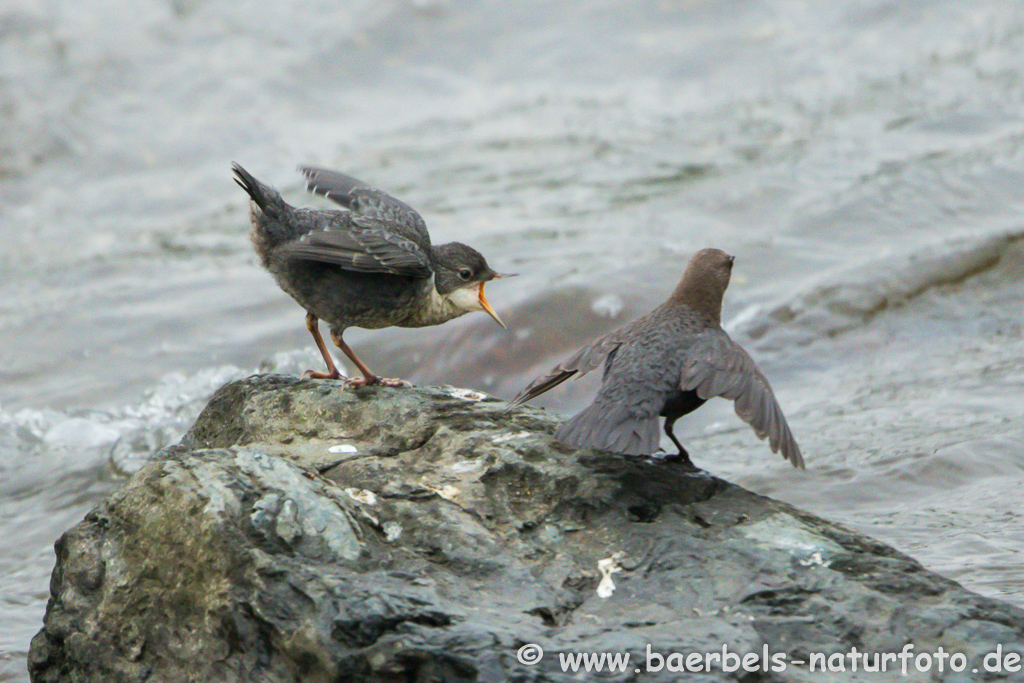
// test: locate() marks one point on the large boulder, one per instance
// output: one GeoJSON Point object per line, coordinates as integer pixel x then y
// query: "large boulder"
{"type": "Point", "coordinates": [303, 531]}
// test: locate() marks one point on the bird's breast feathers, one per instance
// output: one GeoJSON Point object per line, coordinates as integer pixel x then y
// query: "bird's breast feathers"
{"type": "Point", "coordinates": [437, 309]}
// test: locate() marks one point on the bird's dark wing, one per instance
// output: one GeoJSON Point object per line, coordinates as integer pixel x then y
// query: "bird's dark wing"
{"type": "Point", "coordinates": [718, 366]}
{"type": "Point", "coordinates": [581, 362]}
{"type": "Point", "coordinates": [360, 245]}
{"type": "Point", "coordinates": [361, 199]}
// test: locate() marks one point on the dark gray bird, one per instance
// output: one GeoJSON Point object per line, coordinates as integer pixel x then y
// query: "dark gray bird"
{"type": "Point", "coordinates": [371, 265]}
{"type": "Point", "coordinates": [669, 363]}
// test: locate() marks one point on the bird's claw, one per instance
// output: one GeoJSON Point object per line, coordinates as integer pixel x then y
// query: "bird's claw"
{"type": "Point", "coordinates": [373, 380]}
{"type": "Point", "coordinates": [314, 374]}
{"type": "Point", "coordinates": [681, 458]}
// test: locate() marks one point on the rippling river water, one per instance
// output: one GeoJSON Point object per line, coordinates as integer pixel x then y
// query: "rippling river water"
{"type": "Point", "coordinates": [864, 160]}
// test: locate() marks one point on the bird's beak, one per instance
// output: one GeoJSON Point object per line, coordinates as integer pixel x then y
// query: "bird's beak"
{"type": "Point", "coordinates": [498, 276]}
{"type": "Point", "coordinates": [487, 306]}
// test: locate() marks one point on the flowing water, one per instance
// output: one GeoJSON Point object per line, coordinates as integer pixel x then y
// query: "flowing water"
{"type": "Point", "coordinates": [864, 160]}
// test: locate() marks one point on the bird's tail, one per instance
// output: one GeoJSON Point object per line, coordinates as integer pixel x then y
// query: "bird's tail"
{"type": "Point", "coordinates": [267, 198]}
{"type": "Point", "coordinates": [611, 428]}
{"type": "Point", "coordinates": [273, 224]}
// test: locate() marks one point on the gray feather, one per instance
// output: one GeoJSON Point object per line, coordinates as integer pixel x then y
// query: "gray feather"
{"type": "Point", "coordinates": [611, 430]}
{"type": "Point", "coordinates": [719, 367]}
{"type": "Point", "coordinates": [669, 363]}
{"type": "Point", "coordinates": [360, 245]}
{"type": "Point", "coordinates": [581, 362]}
{"type": "Point", "coordinates": [359, 198]}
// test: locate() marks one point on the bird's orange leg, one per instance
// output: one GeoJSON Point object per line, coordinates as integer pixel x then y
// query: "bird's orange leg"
{"type": "Point", "coordinates": [313, 325]}
{"type": "Point", "coordinates": [368, 378]}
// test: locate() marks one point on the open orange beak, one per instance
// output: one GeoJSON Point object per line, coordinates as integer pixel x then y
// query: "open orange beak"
{"type": "Point", "coordinates": [487, 306]}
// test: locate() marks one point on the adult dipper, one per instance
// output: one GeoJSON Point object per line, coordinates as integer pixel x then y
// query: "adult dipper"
{"type": "Point", "coordinates": [371, 265]}
{"type": "Point", "coordinates": [669, 363]}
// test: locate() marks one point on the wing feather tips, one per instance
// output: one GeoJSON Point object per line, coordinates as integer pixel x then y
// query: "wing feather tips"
{"type": "Point", "coordinates": [333, 185]}
{"type": "Point", "coordinates": [540, 386]}
{"type": "Point", "coordinates": [581, 362]}
{"type": "Point", "coordinates": [767, 421]}
{"type": "Point", "coordinates": [780, 437]}
{"type": "Point", "coordinates": [791, 451]}
{"type": "Point", "coordinates": [753, 400]}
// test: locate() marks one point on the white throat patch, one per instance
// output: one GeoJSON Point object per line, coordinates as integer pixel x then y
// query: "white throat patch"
{"type": "Point", "coordinates": [466, 298]}
{"type": "Point", "coordinates": [443, 308]}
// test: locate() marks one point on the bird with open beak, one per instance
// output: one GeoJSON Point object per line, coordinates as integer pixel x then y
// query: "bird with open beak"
{"type": "Point", "coordinates": [370, 265]}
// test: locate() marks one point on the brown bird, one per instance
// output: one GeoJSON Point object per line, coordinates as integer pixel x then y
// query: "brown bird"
{"type": "Point", "coordinates": [669, 363]}
{"type": "Point", "coordinates": [371, 265]}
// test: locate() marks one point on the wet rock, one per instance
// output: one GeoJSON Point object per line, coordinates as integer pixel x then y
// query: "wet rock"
{"type": "Point", "coordinates": [306, 532]}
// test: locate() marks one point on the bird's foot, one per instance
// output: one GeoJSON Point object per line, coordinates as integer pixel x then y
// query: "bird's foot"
{"type": "Point", "coordinates": [313, 374]}
{"type": "Point", "coordinates": [682, 458]}
{"type": "Point", "coordinates": [373, 380]}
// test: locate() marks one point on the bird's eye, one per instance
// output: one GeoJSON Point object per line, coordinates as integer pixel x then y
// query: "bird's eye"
{"type": "Point", "coordinates": [465, 273]}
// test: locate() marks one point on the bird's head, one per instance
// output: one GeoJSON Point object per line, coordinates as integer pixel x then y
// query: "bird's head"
{"type": "Point", "coordinates": [704, 282]}
{"type": "Point", "coordinates": [460, 275]}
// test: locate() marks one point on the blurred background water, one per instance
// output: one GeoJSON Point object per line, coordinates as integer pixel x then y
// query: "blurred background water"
{"type": "Point", "coordinates": [863, 159]}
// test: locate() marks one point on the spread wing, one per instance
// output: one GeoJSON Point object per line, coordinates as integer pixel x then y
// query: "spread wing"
{"type": "Point", "coordinates": [581, 362]}
{"type": "Point", "coordinates": [717, 366]}
{"type": "Point", "coordinates": [363, 200]}
{"type": "Point", "coordinates": [358, 244]}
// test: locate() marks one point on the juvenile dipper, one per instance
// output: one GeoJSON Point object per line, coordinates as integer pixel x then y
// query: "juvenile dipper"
{"type": "Point", "coordinates": [371, 265]}
{"type": "Point", "coordinates": [669, 363]}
